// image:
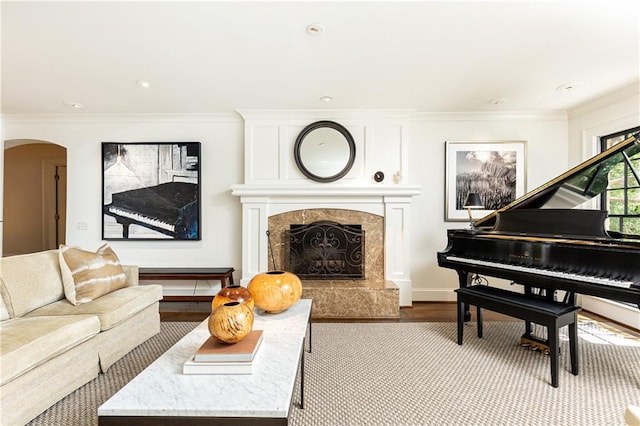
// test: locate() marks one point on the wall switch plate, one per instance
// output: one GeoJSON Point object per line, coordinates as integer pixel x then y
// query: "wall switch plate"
{"type": "Point", "coordinates": [82, 225]}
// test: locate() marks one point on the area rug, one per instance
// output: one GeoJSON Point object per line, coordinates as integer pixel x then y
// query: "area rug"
{"type": "Point", "coordinates": [416, 374]}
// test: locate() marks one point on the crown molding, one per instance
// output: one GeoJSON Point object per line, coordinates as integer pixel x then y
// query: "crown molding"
{"type": "Point", "coordinates": [119, 118]}
{"type": "Point", "coordinates": [301, 116]}
{"type": "Point", "coordinates": [304, 115]}
{"type": "Point", "coordinates": [489, 116]}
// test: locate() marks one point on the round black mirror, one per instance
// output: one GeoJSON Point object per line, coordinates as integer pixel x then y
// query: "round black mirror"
{"type": "Point", "coordinates": [325, 151]}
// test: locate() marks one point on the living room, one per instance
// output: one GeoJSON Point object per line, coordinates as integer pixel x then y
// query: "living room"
{"type": "Point", "coordinates": [404, 77]}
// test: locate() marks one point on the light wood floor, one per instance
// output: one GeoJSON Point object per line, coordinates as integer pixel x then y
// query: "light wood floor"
{"type": "Point", "coordinates": [419, 312]}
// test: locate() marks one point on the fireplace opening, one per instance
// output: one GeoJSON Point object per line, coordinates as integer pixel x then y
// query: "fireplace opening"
{"type": "Point", "coordinates": [326, 250]}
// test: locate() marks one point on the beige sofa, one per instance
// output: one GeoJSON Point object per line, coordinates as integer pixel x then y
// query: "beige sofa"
{"type": "Point", "coordinates": [50, 347]}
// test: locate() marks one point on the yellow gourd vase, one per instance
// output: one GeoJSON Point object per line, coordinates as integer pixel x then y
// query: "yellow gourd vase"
{"type": "Point", "coordinates": [232, 293]}
{"type": "Point", "coordinates": [275, 291]}
{"type": "Point", "coordinates": [231, 322]}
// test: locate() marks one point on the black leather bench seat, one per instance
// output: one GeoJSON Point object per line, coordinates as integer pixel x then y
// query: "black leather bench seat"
{"type": "Point", "coordinates": [551, 314]}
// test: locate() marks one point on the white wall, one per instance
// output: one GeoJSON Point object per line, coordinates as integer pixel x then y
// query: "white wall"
{"type": "Point", "coordinates": [618, 111]}
{"type": "Point", "coordinates": [546, 136]}
{"type": "Point", "coordinates": [223, 158]}
{"type": "Point", "coordinates": [222, 165]}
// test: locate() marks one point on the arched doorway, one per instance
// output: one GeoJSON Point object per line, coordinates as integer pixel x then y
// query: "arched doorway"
{"type": "Point", "coordinates": [35, 196]}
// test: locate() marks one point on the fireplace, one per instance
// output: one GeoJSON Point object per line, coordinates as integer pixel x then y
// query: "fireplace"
{"type": "Point", "coordinates": [371, 296]}
{"type": "Point", "coordinates": [372, 247]}
{"type": "Point", "coordinates": [382, 211]}
{"type": "Point", "coordinates": [326, 250]}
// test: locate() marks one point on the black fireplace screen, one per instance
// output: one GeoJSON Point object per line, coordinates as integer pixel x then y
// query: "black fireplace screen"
{"type": "Point", "coordinates": [326, 250]}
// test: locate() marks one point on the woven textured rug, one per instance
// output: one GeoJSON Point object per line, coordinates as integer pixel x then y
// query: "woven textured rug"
{"type": "Point", "coordinates": [416, 374]}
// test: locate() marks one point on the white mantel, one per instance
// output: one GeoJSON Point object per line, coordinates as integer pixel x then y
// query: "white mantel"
{"type": "Point", "coordinates": [393, 202]}
{"type": "Point", "coordinates": [323, 190]}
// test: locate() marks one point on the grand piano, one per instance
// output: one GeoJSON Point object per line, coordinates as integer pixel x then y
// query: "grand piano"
{"type": "Point", "coordinates": [545, 240]}
{"type": "Point", "coordinates": [170, 208]}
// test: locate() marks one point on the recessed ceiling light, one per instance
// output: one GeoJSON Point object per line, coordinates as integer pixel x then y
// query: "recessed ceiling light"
{"type": "Point", "coordinates": [315, 29]}
{"type": "Point", "coordinates": [567, 87]}
{"type": "Point", "coordinates": [497, 101]}
{"type": "Point", "coordinates": [326, 99]}
{"type": "Point", "coordinates": [72, 104]}
{"type": "Point", "coordinates": [143, 83]}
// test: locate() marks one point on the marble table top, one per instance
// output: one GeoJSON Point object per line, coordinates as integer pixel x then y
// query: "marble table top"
{"type": "Point", "coordinates": [163, 390]}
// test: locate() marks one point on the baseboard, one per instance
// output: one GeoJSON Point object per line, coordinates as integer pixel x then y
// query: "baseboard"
{"type": "Point", "coordinates": [620, 313]}
{"type": "Point", "coordinates": [433, 295]}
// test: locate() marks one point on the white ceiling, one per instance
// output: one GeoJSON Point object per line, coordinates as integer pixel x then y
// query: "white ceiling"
{"type": "Point", "coordinates": [219, 56]}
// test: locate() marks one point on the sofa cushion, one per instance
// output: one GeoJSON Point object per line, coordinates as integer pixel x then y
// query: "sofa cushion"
{"type": "Point", "coordinates": [29, 342]}
{"type": "Point", "coordinates": [87, 275]}
{"type": "Point", "coordinates": [30, 281]}
{"type": "Point", "coordinates": [112, 308]}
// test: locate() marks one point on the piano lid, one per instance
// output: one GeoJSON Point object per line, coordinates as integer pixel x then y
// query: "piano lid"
{"type": "Point", "coordinates": [576, 186]}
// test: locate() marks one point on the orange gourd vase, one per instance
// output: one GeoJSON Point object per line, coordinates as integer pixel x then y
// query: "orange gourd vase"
{"type": "Point", "coordinates": [232, 293]}
{"type": "Point", "coordinates": [231, 322]}
{"type": "Point", "coordinates": [275, 291]}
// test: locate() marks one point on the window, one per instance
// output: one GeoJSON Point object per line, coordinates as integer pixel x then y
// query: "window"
{"type": "Point", "coordinates": [622, 196]}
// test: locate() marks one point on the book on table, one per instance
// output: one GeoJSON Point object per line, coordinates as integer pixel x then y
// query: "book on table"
{"type": "Point", "coordinates": [214, 357]}
{"type": "Point", "coordinates": [213, 350]}
{"type": "Point", "coordinates": [218, 367]}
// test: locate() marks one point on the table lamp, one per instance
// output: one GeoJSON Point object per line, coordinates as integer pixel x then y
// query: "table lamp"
{"type": "Point", "coordinates": [473, 202]}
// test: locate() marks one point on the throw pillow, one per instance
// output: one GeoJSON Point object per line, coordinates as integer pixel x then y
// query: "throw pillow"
{"type": "Point", "coordinates": [87, 275]}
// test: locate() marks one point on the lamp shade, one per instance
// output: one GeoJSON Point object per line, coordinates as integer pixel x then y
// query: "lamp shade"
{"type": "Point", "coordinates": [473, 201]}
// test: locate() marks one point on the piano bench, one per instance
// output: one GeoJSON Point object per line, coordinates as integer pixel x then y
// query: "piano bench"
{"type": "Point", "coordinates": [551, 314]}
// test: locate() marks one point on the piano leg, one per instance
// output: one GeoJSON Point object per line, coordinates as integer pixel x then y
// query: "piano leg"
{"type": "Point", "coordinates": [461, 314]}
{"type": "Point", "coordinates": [125, 226]}
{"type": "Point", "coordinates": [573, 346]}
{"type": "Point", "coordinates": [527, 338]}
{"type": "Point", "coordinates": [125, 230]}
{"type": "Point", "coordinates": [554, 352]}
{"type": "Point", "coordinates": [464, 279]}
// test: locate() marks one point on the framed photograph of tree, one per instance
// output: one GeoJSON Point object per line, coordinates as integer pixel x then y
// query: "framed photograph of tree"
{"type": "Point", "coordinates": [151, 191]}
{"type": "Point", "coordinates": [495, 170]}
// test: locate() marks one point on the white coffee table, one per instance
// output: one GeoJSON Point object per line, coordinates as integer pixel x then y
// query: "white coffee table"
{"type": "Point", "coordinates": [161, 394]}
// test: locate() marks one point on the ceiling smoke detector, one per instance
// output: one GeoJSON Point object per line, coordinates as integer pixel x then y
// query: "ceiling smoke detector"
{"type": "Point", "coordinates": [314, 29]}
{"type": "Point", "coordinates": [326, 99]}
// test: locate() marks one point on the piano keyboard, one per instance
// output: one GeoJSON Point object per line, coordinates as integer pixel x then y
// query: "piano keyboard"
{"type": "Point", "coordinates": [545, 272]}
{"type": "Point", "coordinates": [141, 218]}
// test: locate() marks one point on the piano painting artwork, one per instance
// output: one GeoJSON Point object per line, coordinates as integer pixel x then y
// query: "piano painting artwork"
{"type": "Point", "coordinates": [547, 241]}
{"type": "Point", "coordinates": [151, 191]}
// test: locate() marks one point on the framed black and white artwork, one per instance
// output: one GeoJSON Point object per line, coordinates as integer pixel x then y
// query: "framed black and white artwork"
{"type": "Point", "coordinates": [151, 191]}
{"type": "Point", "coordinates": [495, 170]}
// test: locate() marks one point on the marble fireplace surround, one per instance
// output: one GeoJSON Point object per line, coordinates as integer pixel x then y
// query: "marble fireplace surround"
{"type": "Point", "coordinates": [371, 297]}
{"type": "Point", "coordinates": [372, 225]}
{"type": "Point", "coordinates": [383, 210]}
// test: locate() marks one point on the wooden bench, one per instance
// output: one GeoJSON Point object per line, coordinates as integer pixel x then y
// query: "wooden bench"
{"type": "Point", "coordinates": [551, 314]}
{"type": "Point", "coordinates": [223, 274]}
